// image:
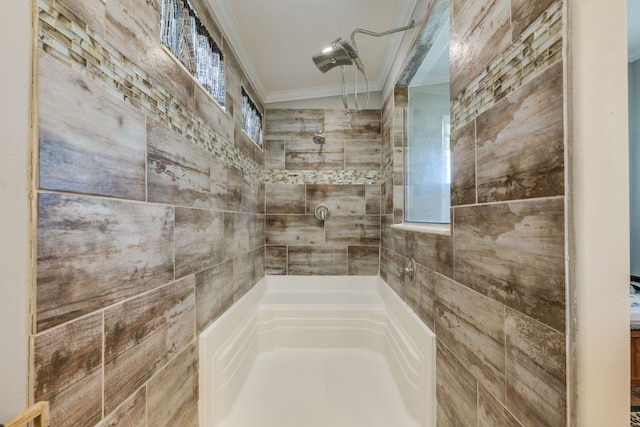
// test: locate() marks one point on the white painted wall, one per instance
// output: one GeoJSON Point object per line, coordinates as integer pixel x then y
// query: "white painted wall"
{"type": "Point", "coordinates": [15, 69]}
{"type": "Point", "coordinates": [598, 212]}
{"type": "Point", "coordinates": [634, 164]}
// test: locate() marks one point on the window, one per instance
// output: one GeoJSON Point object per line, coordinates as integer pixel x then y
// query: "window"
{"type": "Point", "coordinates": [427, 152]}
{"type": "Point", "coordinates": [184, 34]}
{"type": "Point", "coordinates": [251, 119]}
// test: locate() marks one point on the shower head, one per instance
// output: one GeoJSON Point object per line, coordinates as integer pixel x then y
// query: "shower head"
{"type": "Point", "coordinates": [340, 53]}
{"type": "Point", "coordinates": [318, 137]}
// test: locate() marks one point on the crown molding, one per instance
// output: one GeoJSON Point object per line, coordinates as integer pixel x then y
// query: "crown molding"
{"type": "Point", "coordinates": [317, 92]}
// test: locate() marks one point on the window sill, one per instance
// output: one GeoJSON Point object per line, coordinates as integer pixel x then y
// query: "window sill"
{"type": "Point", "coordinates": [442, 229]}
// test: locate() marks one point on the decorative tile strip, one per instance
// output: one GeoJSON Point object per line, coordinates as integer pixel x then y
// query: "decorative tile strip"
{"type": "Point", "coordinates": [335, 177]}
{"type": "Point", "coordinates": [64, 36]}
{"type": "Point", "coordinates": [534, 50]}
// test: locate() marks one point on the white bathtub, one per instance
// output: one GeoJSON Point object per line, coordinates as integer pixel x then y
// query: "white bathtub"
{"type": "Point", "coordinates": [317, 312]}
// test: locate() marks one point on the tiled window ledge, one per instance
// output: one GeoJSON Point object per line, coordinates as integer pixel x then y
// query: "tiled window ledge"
{"type": "Point", "coordinates": [443, 229]}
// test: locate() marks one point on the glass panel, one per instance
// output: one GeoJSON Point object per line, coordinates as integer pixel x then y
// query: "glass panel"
{"type": "Point", "coordinates": [428, 169]}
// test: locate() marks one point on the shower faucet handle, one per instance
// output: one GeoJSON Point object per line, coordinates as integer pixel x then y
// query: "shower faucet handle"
{"type": "Point", "coordinates": [410, 271]}
{"type": "Point", "coordinates": [322, 212]}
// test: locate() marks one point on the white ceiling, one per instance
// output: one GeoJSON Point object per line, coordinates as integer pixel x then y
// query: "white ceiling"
{"type": "Point", "coordinates": [275, 40]}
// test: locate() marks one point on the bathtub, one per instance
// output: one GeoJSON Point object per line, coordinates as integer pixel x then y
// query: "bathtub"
{"type": "Point", "coordinates": [317, 312]}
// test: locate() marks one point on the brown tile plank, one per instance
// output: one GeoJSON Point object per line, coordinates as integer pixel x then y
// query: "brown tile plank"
{"type": "Point", "coordinates": [463, 165]}
{"type": "Point", "coordinates": [173, 393]}
{"type": "Point", "coordinates": [361, 230]}
{"type": "Point", "coordinates": [305, 155]}
{"type": "Point", "coordinates": [514, 253]}
{"type": "Point", "coordinates": [200, 240]}
{"type": "Point", "coordinates": [318, 260]}
{"type": "Point", "coordinates": [352, 124]}
{"type": "Point", "coordinates": [520, 142]}
{"type": "Point", "coordinates": [285, 199]}
{"type": "Point", "coordinates": [536, 371]}
{"type": "Point", "coordinates": [226, 186]}
{"type": "Point", "coordinates": [362, 155]}
{"type": "Point", "coordinates": [68, 370]}
{"type": "Point", "coordinates": [214, 293]}
{"type": "Point", "coordinates": [488, 25]}
{"type": "Point", "coordinates": [178, 171]}
{"type": "Point", "coordinates": [294, 230]}
{"type": "Point", "coordinates": [143, 334]}
{"type": "Point", "coordinates": [472, 327]}
{"type": "Point", "coordinates": [132, 413]}
{"type": "Point", "coordinates": [342, 199]}
{"type": "Point", "coordinates": [285, 124]}
{"type": "Point", "coordinates": [90, 142]}
{"type": "Point", "coordinates": [276, 260]}
{"type": "Point", "coordinates": [363, 260]}
{"type": "Point", "coordinates": [95, 252]}
{"type": "Point", "coordinates": [492, 413]}
{"type": "Point", "coordinates": [456, 391]}
{"type": "Point", "coordinates": [524, 12]}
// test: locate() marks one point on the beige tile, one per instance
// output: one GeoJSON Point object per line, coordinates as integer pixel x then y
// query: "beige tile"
{"type": "Point", "coordinates": [293, 124]}
{"type": "Point", "coordinates": [226, 186]}
{"type": "Point", "coordinates": [317, 260]}
{"type": "Point", "coordinates": [492, 413]}
{"type": "Point", "coordinates": [173, 393]}
{"type": "Point", "coordinates": [214, 293]}
{"type": "Point", "coordinates": [386, 232]}
{"type": "Point", "coordinates": [252, 196]}
{"type": "Point", "coordinates": [142, 335]}
{"type": "Point", "coordinates": [472, 327]}
{"type": "Point", "coordinates": [91, 12]}
{"type": "Point", "coordinates": [133, 28]}
{"type": "Point", "coordinates": [276, 260]}
{"type": "Point", "coordinates": [305, 155]}
{"type": "Point", "coordinates": [399, 125]}
{"type": "Point", "coordinates": [274, 155]}
{"type": "Point", "coordinates": [456, 391]}
{"type": "Point", "coordinates": [536, 371]}
{"type": "Point", "coordinates": [372, 199]}
{"type": "Point", "coordinates": [199, 240]}
{"type": "Point", "coordinates": [242, 233]}
{"type": "Point", "coordinates": [132, 413]}
{"type": "Point", "coordinates": [514, 253]}
{"type": "Point", "coordinates": [391, 270]}
{"type": "Point", "coordinates": [398, 166]}
{"type": "Point", "coordinates": [478, 32]}
{"type": "Point", "coordinates": [212, 115]}
{"type": "Point", "coordinates": [362, 230]}
{"type": "Point", "coordinates": [342, 199]}
{"type": "Point", "coordinates": [524, 12]}
{"type": "Point", "coordinates": [425, 288]}
{"type": "Point", "coordinates": [521, 142]}
{"type": "Point", "coordinates": [362, 155]}
{"type": "Point", "coordinates": [294, 230]}
{"type": "Point", "coordinates": [285, 198]}
{"type": "Point", "coordinates": [90, 142]}
{"type": "Point", "coordinates": [463, 165]}
{"type": "Point", "coordinates": [363, 260]}
{"type": "Point", "coordinates": [248, 269]}
{"type": "Point", "coordinates": [178, 171]}
{"type": "Point", "coordinates": [387, 197]}
{"type": "Point", "coordinates": [95, 252]}
{"type": "Point", "coordinates": [68, 370]}
{"type": "Point", "coordinates": [351, 124]}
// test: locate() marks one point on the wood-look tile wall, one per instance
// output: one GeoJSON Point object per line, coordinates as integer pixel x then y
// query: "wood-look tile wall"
{"type": "Point", "coordinates": [150, 216]}
{"type": "Point", "coordinates": [298, 243]}
{"type": "Point", "coordinates": [493, 290]}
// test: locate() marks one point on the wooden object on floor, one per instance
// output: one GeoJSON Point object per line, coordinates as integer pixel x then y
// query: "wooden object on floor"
{"type": "Point", "coordinates": [38, 413]}
{"type": "Point", "coordinates": [635, 358]}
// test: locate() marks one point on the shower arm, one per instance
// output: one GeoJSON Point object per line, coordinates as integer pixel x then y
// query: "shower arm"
{"type": "Point", "coordinates": [384, 33]}
{"type": "Point", "coordinates": [359, 63]}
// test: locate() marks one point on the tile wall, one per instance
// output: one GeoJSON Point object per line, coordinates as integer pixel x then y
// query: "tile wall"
{"type": "Point", "coordinates": [150, 215]}
{"type": "Point", "coordinates": [344, 173]}
{"type": "Point", "coordinates": [494, 289]}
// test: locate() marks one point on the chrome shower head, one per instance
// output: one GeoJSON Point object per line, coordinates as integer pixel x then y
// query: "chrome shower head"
{"type": "Point", "coordinates": [318, 137]}
{"type": "Point", "coordinates": [340, 53]}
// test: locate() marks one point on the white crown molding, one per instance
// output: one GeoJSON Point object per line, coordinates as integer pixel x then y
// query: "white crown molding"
{"type": "Point", "coordinates": [230, 29]}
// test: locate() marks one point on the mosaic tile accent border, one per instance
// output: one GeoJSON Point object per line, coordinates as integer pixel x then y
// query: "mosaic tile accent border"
{"type": "Point", "coordinates": [335, 177]}
{"type": "Point", "coordinates": [64, 36]}
{"type": "Point", "coordinates": [535, 49]}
